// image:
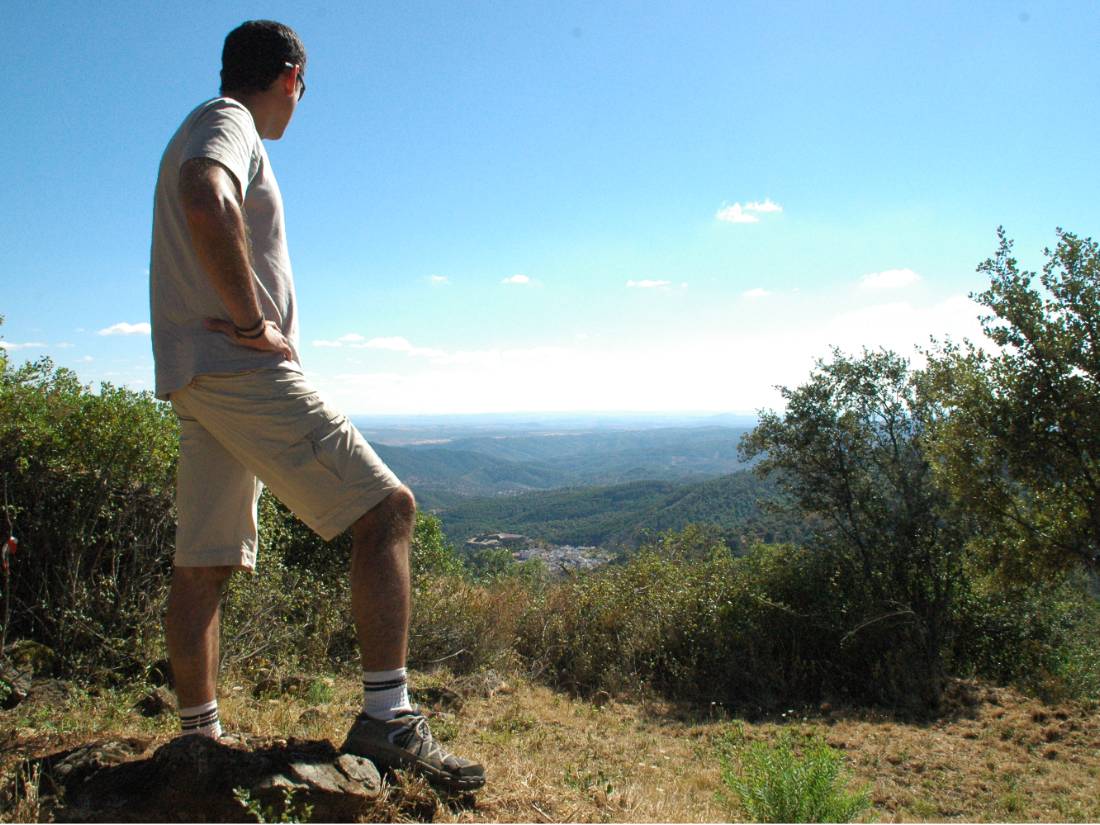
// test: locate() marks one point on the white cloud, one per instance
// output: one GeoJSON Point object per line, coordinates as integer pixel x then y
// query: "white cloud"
{"type": "Point", "coordinates": [767, 206]}
{"type": "Point", "coordinates": [64, 345]}
{"type": "Point", "coordinates": [647, 284]}
{"type": "Point", "coordinates": [438, 279]}
{"type": "Point", "coordinates": [12, 346]}
{"type": "Point", "coordinates": [736, 213]}
{"type": "Point", "coordinates": [753, 294]}
{"type": "Point", "coordinates": [87, 359]}
{"type": "Point", "coordinates": [522, 280]}
{"type": "Point", "coordinates": [124, 328]}
{"type": "Point", "coordinates": [889, 279]}
{"type": "Point", "coordinates": [395, 343]}
{"type": "Point", "coordinates": [352, 339]}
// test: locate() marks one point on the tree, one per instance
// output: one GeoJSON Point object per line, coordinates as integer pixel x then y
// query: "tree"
{"type": "Point", "coordinates": [1018, 437]}
{"type": "Point", "coordinates": [849, 454]}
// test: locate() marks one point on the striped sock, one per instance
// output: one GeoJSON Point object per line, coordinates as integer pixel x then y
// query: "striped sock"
{"type": "Point", "coordinates": [201, 719]}
{"type": "Point", "coordinates": [385, 693]}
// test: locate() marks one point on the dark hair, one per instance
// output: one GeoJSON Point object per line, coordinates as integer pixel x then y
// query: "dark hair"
{"type": "Point", "coordinates": [256, 52]}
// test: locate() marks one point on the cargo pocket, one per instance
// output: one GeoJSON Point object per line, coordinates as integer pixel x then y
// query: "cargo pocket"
{"type": "Point", "coordinates": [334, 447]}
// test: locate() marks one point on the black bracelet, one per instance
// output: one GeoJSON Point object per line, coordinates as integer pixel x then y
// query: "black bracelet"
{"type": "Point", "coordinates": [254, 331]}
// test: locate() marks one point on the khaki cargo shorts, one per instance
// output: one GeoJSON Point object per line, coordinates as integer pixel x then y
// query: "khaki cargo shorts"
{"type": "Point", "coordinates": [240, 431]}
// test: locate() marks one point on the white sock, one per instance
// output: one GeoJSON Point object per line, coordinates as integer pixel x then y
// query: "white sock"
{"type": "Point", "coordinates": [201, 719]}
{"type": "Point", "coordinates": [385, 693]}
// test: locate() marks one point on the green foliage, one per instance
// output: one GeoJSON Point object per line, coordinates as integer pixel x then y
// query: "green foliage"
{"type": "Point", "coordinates": [1019, 441]}
{"type": "Point", "coordinates": [286, 616]}
{"type": "Point", "coordinates": [793, 779]}
{"type": "Point", "coordinates": [1040, 636]}
{"type": "Point", "coordinates": [630, 515]}
{"type": "Point", "coordinates": [288, 810]}
{"type": "Point", "coordinates": [465, 624]}
{"type": "Point", "coordinates": [849, 452]}
{"type": "Point", "coordinates": [90, 481]}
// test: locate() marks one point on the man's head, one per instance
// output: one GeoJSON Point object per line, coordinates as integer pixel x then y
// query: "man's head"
{"type": "Point", "coordinates": [256, 53]}
{"type": "Point", "coordinates": [264, 62]}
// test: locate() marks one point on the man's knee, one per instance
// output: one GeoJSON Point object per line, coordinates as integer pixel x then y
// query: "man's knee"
{"type": "Point", "coordinates": [200, 579]}
{"type": "Point", "coordinates": [395, 512]}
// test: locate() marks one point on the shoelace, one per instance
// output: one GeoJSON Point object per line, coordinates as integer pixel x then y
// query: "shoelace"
{"type": "Point", "coordinates": [419, 729]}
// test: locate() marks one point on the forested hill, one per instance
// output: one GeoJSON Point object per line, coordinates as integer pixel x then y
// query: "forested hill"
{"type": "Point", "coordinates": [485, 465]}
{"type": "Point", "coordinates": [623, 515]}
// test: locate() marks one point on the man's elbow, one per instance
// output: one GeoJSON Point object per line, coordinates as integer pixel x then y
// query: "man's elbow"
{"type": "Point", "coordinates": [206, 193]}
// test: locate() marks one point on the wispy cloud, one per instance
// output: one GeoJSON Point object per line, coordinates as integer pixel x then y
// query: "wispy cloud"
{"type": "Point", "coordinates": [395, 343]}
{"type": "Point", "coordinates": [753, 294]}
{"type": "Point", "coordinates": [767, 205]}
{"type": "Point", "coordinates": [438, 279]}
{"type": "Point", "coordinates": [889, 279]}
{"type": "Point", "coordinates": [11, 346]}
{"type": "Point", "coordinates": [519, 279]}
{"type": "Point", "coordinates": [123, 328]}
{"type": "Point", "coordinates": [747, 213]}
{"type": "Point", "coordinates": [352, 339]}
{"type": "Point", "coordinates": [648, 284]}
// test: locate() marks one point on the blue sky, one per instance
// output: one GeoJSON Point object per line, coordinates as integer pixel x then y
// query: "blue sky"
{"type": "Point", "coordinates": [525, 206]}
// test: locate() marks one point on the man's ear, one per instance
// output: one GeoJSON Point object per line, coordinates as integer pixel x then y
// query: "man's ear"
{"type": "Point", "coordinates": [290, 81]}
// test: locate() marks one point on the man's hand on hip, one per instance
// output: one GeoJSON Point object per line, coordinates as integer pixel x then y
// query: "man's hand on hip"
{"type": "Point", "coordinates": [272, 340]}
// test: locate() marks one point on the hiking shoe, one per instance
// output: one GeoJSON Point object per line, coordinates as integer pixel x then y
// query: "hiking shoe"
{"type": "Point", "coordinates": [406, 742]}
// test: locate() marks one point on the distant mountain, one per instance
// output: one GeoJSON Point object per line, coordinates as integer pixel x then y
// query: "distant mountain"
{"type": "Point", "coordinates": [447, 469]}
{"type": "Point", "coordinates": [623, 515]}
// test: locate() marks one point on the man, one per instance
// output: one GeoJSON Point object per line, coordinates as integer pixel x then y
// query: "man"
{"type": "Point", "coordinates": [225, 344]}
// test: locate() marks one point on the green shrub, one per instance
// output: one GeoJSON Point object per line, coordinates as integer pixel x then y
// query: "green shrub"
{"type": "Point", "coordinates": [1042, 637]}
{"type": "Point", "coordinates": [465, 624]}
{"type": "Point", "coordinates": [89, 480]}
{"type": "Point", "coordinates": [789, 780]}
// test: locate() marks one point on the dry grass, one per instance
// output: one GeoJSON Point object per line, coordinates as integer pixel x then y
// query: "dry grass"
{"type": "Point", "coordinates": [997, 756]}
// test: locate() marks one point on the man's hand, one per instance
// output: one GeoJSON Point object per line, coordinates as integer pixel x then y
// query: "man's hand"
{"type": "Point", "coordinates": [272, 340]}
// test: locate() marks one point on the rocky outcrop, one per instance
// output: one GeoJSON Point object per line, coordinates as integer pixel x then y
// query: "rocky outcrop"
{"type": "Point", "coordinates": [197, 779]}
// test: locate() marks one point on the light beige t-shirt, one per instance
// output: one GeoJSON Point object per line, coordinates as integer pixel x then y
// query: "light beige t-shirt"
{"type": "Point", "coordinates": [180, 293]}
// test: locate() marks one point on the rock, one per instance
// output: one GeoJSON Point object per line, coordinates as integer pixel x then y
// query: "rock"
{"type": "Point", "coordinates": [157, 701]}
{"type": "Point", "coordinates": [197, 779]}
{"type": "Point", "coordinates": [50, 692]}
{"type": "Point", "coordinates": [159, 674]}
{"type": "Point", "coordinates": [356, 768]}
{"type": "Point", "coordinates": [15, 685]}
{"type": "Point", "coordinates": [273, 685]}
{"type": "Point", "coordinates": [484, 683]}
{"type": "Point", "coordinates": [27, 654]}
{"type": "Point", "coordinates": [437, 696]}
{"type": "Point", "coordinates": [70, 768]}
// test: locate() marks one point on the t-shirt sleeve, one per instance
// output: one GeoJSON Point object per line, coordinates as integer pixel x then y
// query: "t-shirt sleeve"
{"type": "Point", "coordinates": [226, 134]}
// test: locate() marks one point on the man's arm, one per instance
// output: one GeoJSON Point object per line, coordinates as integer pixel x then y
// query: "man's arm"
{"type": "Point", "coordinates": [211, 203]}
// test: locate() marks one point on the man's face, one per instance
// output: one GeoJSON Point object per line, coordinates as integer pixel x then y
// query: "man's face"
{"type": "Point", "coordinates": [286, 91]}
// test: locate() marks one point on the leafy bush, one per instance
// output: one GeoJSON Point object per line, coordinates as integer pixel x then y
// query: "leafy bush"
{"type": "Point", "coordinates": [707, 628]}
{"type": "Point", "coordinates": [88, 479]}
{"type": "Point", "coordinates": [790, 780]}
{"type": "Point", "coordinates": [465, 624]}
{"type": "Point", "coordinates": [1042, 637]}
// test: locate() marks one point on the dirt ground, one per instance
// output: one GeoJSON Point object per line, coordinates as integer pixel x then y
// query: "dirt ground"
{"type": "Point", "coordinates": [994, 755]}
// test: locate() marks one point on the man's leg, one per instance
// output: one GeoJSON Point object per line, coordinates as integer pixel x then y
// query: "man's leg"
{"type": "Point", "coordinates": [380, 581]}
{"type": "Point", "coordinates": [380, 603]}
{"type": "Point", "coordinates": [192, 631]}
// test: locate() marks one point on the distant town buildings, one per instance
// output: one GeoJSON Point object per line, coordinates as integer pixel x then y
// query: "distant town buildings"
{"type": "Point", "coordinates": [558, 558]}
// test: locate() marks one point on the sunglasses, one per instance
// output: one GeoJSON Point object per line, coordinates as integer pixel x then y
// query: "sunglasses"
{"type": "Point", "coordinates": [301, 78]}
